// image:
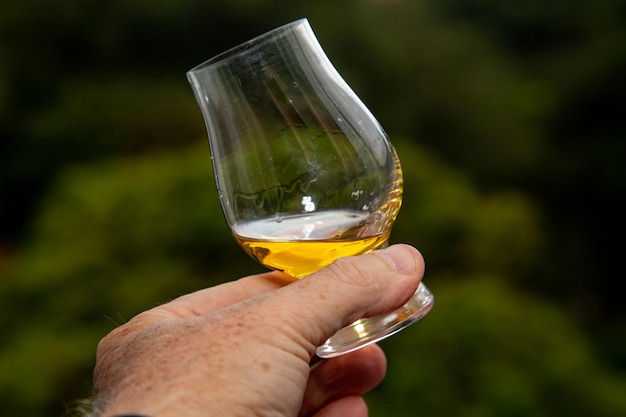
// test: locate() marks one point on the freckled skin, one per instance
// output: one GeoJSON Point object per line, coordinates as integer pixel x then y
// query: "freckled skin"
{"type": "Point", "coordinates": [244, 348]}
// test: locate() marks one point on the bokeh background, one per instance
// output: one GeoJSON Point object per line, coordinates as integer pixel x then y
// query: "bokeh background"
{"type": "Point", "coordinates": [509, 121]}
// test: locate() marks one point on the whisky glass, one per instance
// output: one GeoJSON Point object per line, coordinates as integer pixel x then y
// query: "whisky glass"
{"type": "Point", "coordinates": [305, 173]}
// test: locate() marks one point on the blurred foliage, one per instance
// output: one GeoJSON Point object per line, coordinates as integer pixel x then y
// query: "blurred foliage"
{"type": "Point", "coordinates": [116, 237]}
{"type": "Point", "coordinates": [508, 120]}
{"type": "Point", "coordinates": [490, 350]}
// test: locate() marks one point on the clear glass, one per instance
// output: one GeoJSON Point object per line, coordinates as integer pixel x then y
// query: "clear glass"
{"type": "Point", "coordinates": [304, 171]}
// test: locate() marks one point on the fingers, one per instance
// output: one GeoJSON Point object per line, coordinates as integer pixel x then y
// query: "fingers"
{"type": "Point", "coordinates": [352, 406]}
{"type": "Point", "coordinates": [208, 300]}
{"type": "Point", "coordinates": [351, 288]}
{"type": "Point", "coordinates": [371, 284]}
{"type": "Point", "coordinates": [312, 309]}
{"type": "Point", "coordinates": [346, 273]}
{"type": "Point", "coordinates": [260, 323]}
{"type": "Point", "coordinates": [348, 375]}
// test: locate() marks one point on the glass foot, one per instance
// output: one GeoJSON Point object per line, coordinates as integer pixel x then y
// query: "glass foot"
{"type": "Point", "coordinates": [364, 332]}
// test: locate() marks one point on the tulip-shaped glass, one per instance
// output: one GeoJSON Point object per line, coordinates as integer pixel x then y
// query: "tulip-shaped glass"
{"type": "Point", "coordinates": [304, 171]}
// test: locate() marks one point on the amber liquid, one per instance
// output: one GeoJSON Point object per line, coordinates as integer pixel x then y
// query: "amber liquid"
{"type": "Point", "coordinates": [300, 245]}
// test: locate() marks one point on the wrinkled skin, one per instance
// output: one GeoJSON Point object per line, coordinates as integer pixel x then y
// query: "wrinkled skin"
{"type": "Point", "coordinates": [244, 348]}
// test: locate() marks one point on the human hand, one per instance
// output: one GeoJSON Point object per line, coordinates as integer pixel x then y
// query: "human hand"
{"type": "Point", "coordinates": [244, 348]}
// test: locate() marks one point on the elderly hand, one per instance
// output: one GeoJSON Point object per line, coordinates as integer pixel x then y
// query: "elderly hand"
{"type": "Point", "coordinates": [244, 348]}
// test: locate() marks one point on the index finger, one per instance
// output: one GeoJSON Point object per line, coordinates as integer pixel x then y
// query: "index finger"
{"type": "Point", "coordinates": [211, 299]}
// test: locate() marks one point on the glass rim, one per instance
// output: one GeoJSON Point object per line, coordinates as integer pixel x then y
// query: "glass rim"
{"type": "Point", "coordinates": [247, 44]}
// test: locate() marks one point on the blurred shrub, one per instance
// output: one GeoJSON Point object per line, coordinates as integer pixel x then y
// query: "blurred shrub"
{"type": "Point", "coordinates": [487, 349]}
{"type": "Point", "coordinates": [460, 229]}
{"type": "Point", "coordinates": [120, 236]}
{"type": "Point", "coordinates": [111, 239]}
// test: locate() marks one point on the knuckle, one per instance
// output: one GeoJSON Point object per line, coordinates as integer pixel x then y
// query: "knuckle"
{"type": "Point", "coordinates": [353, 271]}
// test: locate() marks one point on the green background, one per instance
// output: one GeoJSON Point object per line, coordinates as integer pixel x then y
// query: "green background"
{"type": "Point", "coordinates": [508, 119]}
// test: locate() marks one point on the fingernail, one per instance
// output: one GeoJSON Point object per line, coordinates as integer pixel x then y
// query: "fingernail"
{"type": "Point", "coordinates": [400, 258]}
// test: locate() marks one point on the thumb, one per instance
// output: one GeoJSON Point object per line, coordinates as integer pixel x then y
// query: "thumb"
{"type": "Point", "coordinates": [349, 289]}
